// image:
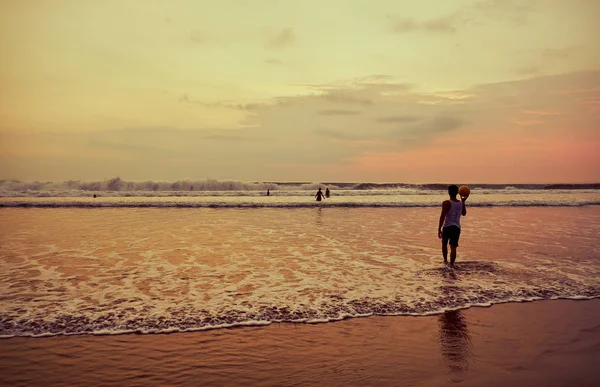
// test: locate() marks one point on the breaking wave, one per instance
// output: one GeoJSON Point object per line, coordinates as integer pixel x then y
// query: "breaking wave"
{"type": "Point", "coordinates": [117, 186]}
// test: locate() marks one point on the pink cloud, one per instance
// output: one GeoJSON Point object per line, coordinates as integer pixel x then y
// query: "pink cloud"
{"type": "Point", "coordinates": [503, 159]}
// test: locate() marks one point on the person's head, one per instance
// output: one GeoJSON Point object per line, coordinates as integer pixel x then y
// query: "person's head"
{"type": "Point", "coordinates": [319, 189]}
{"type": "Point", "coordinates": [453, 190]}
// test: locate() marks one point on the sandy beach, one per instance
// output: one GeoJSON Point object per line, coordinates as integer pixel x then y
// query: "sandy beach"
{"type": "Point", "coordinates": [544, 343]}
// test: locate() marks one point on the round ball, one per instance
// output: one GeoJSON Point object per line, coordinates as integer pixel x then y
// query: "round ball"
{"type": "Point", "coordinates": [464, 191]}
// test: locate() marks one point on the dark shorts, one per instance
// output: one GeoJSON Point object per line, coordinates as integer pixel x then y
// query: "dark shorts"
{"type": "Point", "coordinates": [452, 234]}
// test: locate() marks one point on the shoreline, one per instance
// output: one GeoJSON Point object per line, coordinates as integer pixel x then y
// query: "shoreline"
{"type": "Point", "coordinates": [263, 323]}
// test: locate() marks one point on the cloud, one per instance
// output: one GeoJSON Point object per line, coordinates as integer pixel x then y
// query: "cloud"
{"type": "Point", "coordinates": [528, 70]}
{"type": "Point", "coordinates": [502, 5]}
{"type": "Point", "coordinates": [542, 60]}
{"type": "Point", "coordinates": [582, 90]}
{"type": "Point", "coordinates": [338, 112]}
{"type": "Point", "coordinates": [556, 53]}
{"type": "Point", "coordinates": [185, 98]}
{"type": "Point", "coordinates": [197, 36]}
{"type": "Point", "coordinates": [541, 112]}
{"type": "Point", "coordinates": [418, 134]}
{"type": "Point", "coordinates": [399, 119]}
{"type": "Point", "coordinates": [292, 130]}
{"type": "Point", "coordinates": [379, 81]}
{"type": "Point", "coordinates": [528, 122]}
{"type": "Point", "coordinates": [408, 121]}
{"type": "Point", "coordinates": [346, 97]}
{"type": "Point", "coordinates": [506, 11]}
{"type": "Point", "coordinates": [359, 90]}
{"type": "Point", "coordinates": [282, 39]}
{"type": "Point", "coordinates": [444, 25]}
{"type": "Point", "coordinates": [445, 123]}
{"type": "Point", "coordinates": [339, 135]}
{"type": "Point", "coordinates": [275, 62]}
{"type": "Point", "coordinates": [475, 14]}
{"type": "Point", "coordinates": [231, 138]}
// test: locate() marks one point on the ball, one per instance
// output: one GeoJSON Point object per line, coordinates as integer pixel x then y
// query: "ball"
{"type": "Point", "coordinates": [464, 191]}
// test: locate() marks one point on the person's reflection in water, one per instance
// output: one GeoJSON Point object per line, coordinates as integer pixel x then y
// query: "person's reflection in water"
{"type": "Point", "coordinates": [455, 341]}
{"type": "Point", "coordinates": [319, 216]}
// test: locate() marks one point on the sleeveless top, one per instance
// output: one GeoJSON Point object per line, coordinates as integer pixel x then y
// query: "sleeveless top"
{"type": "Point", "coordinates": [453, 215]}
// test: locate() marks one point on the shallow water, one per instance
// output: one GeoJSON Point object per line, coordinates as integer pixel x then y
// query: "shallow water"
{"type": "Point", "coordinates": [116, 270]}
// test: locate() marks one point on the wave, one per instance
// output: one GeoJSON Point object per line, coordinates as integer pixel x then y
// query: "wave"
{"type": "Point", "coordinates": [190, 320]}
{"type": "Point", "coordinates": [308, 204]}
{"type": "Point", "coordinates": [116, 184]}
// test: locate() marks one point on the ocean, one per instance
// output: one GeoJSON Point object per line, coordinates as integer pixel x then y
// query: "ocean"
{"type": "Point", "coordinates": [157, 258]}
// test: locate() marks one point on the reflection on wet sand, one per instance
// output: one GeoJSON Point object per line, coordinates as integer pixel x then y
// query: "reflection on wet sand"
{"type": "Point", "coordinates": [455, 341]}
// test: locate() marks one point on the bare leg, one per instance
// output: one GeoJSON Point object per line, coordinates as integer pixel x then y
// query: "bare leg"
{"type": "Point", "coordinates": [445, 251]}
{"type": "Point", "coordinates": [452, 255]}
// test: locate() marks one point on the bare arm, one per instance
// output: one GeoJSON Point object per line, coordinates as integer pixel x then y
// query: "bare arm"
{"type": "Point", "coordinates": [464, 206]}
{"type": "Point", "coordinates": [445, 208]}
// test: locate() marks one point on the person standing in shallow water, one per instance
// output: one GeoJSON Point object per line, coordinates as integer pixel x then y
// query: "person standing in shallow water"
{"type": "Point", "coordinates": [319, 195]}
{"type": "Point", "coordinates": [268, 192]}
{"type": "Point", "coordinates": [449, 225]}
{"type": "Point", "coordinates": [327, 193]}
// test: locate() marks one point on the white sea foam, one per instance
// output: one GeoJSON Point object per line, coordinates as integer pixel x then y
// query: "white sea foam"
{"type": "Point", "coordinates": [118, 270]}
{"type": "Point", "coordinates": [300, 199]}
{"type": "Point", "coordinates": [211, 187]}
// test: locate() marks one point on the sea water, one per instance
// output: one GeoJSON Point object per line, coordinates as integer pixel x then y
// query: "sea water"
{"type": "Point", "coordinates": [168, 261]}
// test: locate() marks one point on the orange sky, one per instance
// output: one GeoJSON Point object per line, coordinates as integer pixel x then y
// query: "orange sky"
{"type": "Point", "coordinates": [403, 91]}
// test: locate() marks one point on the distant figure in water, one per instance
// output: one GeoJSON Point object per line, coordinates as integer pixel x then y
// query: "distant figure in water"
{"type": "Point", "coordinates": [319, 195]}
{"type": "Point", "coordinates": [449, 226]}
{"type": "Point", "coordinates": [327, 193]}
{"type": "Point", "coordinates": [268, 192]}
{"type": "Point", "coordinates": [94, 195]}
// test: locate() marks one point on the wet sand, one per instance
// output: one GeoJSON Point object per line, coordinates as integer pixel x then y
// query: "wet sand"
{"type": "Point", "coordinates": [544, 343]}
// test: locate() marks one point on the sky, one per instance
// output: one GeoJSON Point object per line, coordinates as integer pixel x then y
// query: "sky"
{"type": "Point", "coordinates": [487, 91]}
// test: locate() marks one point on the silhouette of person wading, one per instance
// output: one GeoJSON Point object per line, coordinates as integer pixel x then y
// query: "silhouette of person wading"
{"type": "Point", "coordinates": [449, 226]}
{"type": "Point", "coordinates": [319, 195]}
